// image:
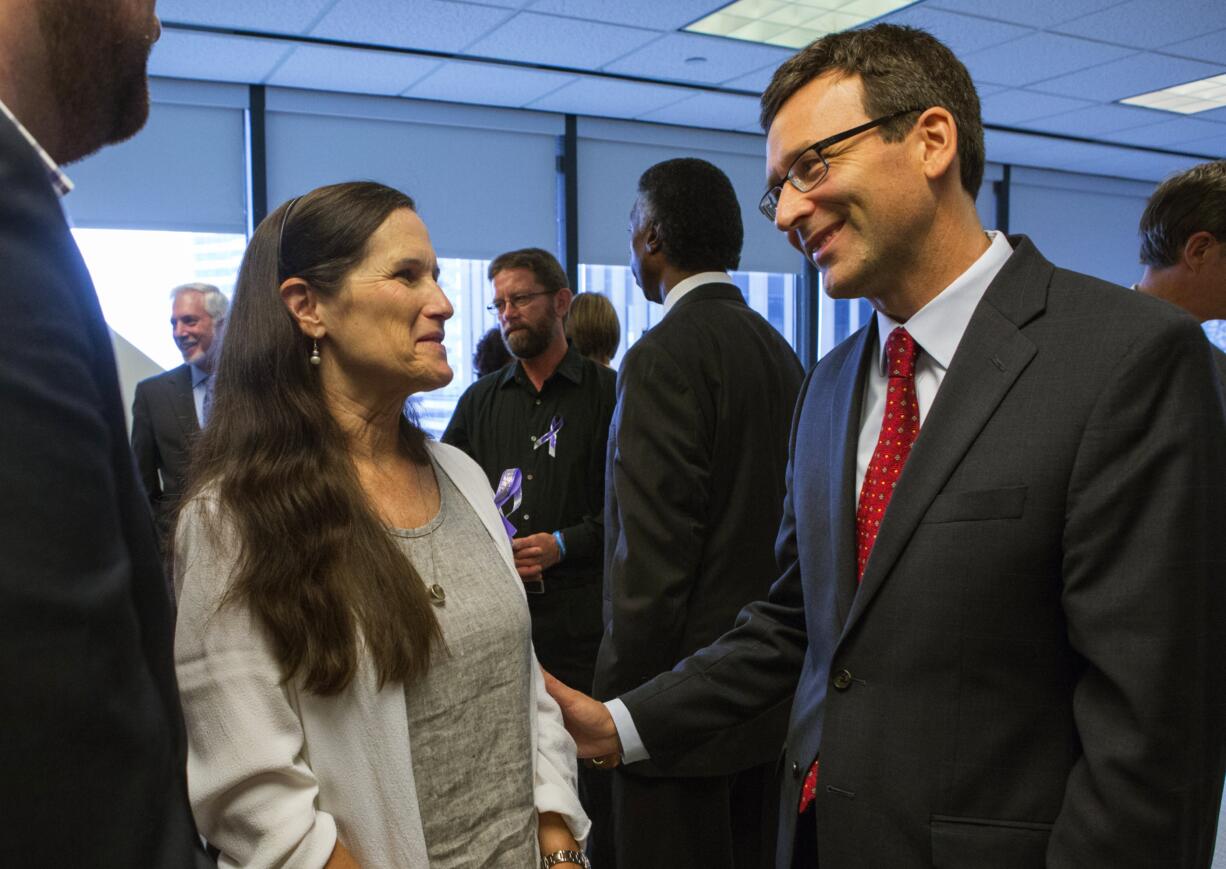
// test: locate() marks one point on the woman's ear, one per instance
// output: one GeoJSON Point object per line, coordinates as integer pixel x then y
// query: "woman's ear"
{"type": "Point", "coordinates": [301, 301]}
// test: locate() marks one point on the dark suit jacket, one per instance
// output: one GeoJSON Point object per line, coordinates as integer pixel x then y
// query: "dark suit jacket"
{"type": "Point", "coordinates": [1031, 672]}
{"type": "Point", "coordinates": [92, 750]}
{"type": "Point", "coordinates": [694, 494]}
{"type": "Point", "coordinates": [163, 426]}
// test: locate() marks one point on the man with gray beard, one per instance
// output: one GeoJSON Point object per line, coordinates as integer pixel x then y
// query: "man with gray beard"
{"type": "Point", "coordinates": [538, 427]}
{"type": "Point", "coordinates": [93, 754]}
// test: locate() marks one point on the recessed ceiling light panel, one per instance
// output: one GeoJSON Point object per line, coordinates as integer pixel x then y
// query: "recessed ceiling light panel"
{"type": "Point", "coordinates": [1186, 99]}
{"type": "Point", "coordinates": [791, 23]}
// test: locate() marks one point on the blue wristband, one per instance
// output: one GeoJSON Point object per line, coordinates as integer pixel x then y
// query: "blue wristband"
{"type": "Point", "coordinates": [557, 535]}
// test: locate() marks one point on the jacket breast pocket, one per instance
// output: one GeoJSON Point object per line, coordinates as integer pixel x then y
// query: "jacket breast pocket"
{"type": "Point", "coordinates": [977, 505]}
{"type": "Point", "coordinates": [975, 843]}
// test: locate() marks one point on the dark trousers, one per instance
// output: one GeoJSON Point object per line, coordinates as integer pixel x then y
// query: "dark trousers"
{"type": "Point", "coordinates": [717, 822]}
{"type": "Point", "coordinates": [804, 848]}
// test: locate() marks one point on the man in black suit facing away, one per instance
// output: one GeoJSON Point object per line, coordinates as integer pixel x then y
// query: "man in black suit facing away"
{"type": "Point", "coordinates": [92, 750]}
{"type": "Point", "coordinates": [1000, 608]}
{"type": "Point", "coordinates": [1183, 244]}
{"type": "Point", "coordinates": [169, 409]}
{"type": "Point", "coordinates": [694, 488]}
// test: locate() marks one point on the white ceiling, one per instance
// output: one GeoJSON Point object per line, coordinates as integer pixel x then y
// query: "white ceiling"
{"type": "Point", "coordinates": [1050, 72]}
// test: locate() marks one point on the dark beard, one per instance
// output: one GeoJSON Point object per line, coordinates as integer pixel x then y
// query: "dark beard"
{"type": "Point", "coordinates": [97, 71]}
{"type": "Point", "coordinates": [527, 343]}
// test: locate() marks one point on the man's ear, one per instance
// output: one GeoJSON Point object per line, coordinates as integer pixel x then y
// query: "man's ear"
{"type": "Point", "coordinates": [1198, 249]}
{"type": "Point", "coordinates": [302, 302]}
{"type": "Point", "coordinates": [652, 242]}
{"type": "Point", "coordinates": [561, 301]}
{"type": "Point", "coordinates": [937, 134]}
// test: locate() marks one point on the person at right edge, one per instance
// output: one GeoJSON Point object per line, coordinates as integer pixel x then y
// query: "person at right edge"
{"type": "Point", "coordinates": [1001, 602]}
{"type": "Point", "coordinates": [694, 493]}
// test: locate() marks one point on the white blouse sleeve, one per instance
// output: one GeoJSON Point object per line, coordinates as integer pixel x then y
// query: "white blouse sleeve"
{"type": "Point", "coordinates": [252, 792]}
{"type": "Point", "coordinates": [557, 779]}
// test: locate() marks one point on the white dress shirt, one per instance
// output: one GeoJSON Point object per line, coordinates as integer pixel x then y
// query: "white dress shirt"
{"type": "Point", "coordinates": [937, 328]}
{"type": "Point", "coordinates": [682, 288]}
{"type": "Point", "coordinates": [199, 386]}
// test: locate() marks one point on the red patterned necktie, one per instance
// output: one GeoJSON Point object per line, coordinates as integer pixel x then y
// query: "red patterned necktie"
{"type": "Point", "coordinates": [899, 426]}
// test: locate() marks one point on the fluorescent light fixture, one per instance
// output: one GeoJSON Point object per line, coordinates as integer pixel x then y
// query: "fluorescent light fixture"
{"type": "Point", "coordinates": [791, 23]}
{"type": "Point", "coordinates": [1186, 99]}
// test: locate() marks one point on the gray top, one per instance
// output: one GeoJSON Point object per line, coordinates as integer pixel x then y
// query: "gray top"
{"type": "Point", "coordinates": [469, 718]}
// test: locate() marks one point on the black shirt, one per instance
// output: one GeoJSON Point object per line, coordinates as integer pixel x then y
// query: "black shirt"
{"type": "Point", "coordinates": [499, 420]}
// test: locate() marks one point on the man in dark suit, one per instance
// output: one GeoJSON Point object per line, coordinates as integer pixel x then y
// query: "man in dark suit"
{"type": "Point", "coordinates": [169, 409]}
{"type": "Point", "coordinates": [1183, 244]}
{"type": "Point", "coordinates": [1001, 603]}
{"type": "Point", "coordinates": [696, 457]}
{"type": "Point", "coordinates": [93, 753]}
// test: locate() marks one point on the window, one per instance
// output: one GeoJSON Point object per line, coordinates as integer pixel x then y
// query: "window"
{"type": "Point", "coordinates": [1216, 331]}
{"type": "Point", "coordinates": [135, 270]}
{"type": "Point", "coordinates": [771, 294]}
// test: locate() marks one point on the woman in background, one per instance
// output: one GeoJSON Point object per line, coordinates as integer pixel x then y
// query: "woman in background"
{"type": "Point", "coordinates": [592, 327]}
{"type": "Point", "coordinates": [353, 644]}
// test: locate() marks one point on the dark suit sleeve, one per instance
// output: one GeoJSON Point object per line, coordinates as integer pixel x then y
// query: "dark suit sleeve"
{"type": "Point", "coordinates": [144, 447]}
{"type": "Point", "coordinates": [661, 473]}
{"type": "Point", "coordinates": [1144, 599]}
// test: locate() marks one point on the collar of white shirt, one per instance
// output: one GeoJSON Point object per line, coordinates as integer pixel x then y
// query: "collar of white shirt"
{"type": "Point", "coordinates": [681, 288]}
{"type": "Point", "coordinates": [198, 375]}
{"type": "Point", "coordinates": [938, 326]}
{"type": "Point", "coordinates": [61, 182]}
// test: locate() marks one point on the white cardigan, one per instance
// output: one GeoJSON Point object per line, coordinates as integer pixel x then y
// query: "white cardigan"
{"type": "Point", "coordinates": [275, 773]}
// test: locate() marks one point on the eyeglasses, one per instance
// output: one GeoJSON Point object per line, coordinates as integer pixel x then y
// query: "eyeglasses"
{"type": "Point", "coordinates": [516, 301]}
{"type": "Point", "coordinates": [810, 166]}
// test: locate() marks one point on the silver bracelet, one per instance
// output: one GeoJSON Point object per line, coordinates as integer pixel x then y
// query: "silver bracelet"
{"type": "Point", "coordinates": [576, 857]}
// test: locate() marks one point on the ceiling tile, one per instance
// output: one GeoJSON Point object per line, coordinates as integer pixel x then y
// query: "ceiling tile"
{"type": "Point", "coordinates": [183, 54]}
{"type": "Point", "coordinates": [1033, 13]}
{"type": "Point", "coordinates": [1014, 106]}
{"type": "Point", "coordinates": [670, 58]}
{"type": "Point", "coordinates": [427, 24]}
{"type": "Point", "coordinates": [1128, 76]}
{"type": "Point", "coordinates": [1135, 23]}
{"type": "Point", "coordinates": [609, 98]}
{"type": "Point", "coordinates": [1002, 147]}
{"type": "Point", "coordinates": [1039, 56]}
{"type": "Point", "coordinates": [488, 84]}
{"type": "Point", "coordinates": [963, 34]}
{"type": "Point", "coordinates": [717, 111]}
{"type": "Point", "coordinates": [755, 82]}
{"type": "Point", "coordinates": [560, 41]}
{"type": "Point", "coordinates": [1213, 147]}
{"type": "Point", "coordinates": [269, 16]}
{"type": "Point", "coordinates": [654, 14]}
{"type": "Point", "coordinates": [1097, 121]}
{"type": "Point", "coordinates": [319, 67]}
{"type": "Point", "coordinates": [1210, 47]}
{"type": "Point", "coordinates": [1123, 163]}
{"type": "Point", "coordinates": [1170, 134]}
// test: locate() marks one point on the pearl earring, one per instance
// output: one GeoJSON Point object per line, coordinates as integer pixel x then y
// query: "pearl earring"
{"type": "Point", "coordinates": [315, 354]}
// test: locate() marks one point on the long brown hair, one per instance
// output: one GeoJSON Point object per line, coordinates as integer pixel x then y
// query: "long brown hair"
{"type": "Point", "coordinates": [315, 565]}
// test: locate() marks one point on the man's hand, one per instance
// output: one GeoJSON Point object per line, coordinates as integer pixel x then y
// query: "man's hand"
{"type": "Point", "coordinates": [535, 554]}
{"type": "Point", "coordinates": [588, 722]}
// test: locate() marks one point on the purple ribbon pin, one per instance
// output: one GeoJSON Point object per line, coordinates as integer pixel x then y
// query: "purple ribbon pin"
{"type": "Point", "coordinates": [510, 488]}
{"type": "Point", "coordinates": [551, 437]}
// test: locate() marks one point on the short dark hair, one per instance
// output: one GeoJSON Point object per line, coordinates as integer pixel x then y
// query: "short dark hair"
{"type": "Point", "coordinates": [543, 265]}
{"type": "Point", "coordinates": [900, 68]}
{"type": "Point", "coordinates": [1190, 202]}
{"type": "Point", "coordinates": [696, 213]}
{"type": "Point", "coordinates": [491, 353]}
{"type": "Point", "coordinates": [592, 326]}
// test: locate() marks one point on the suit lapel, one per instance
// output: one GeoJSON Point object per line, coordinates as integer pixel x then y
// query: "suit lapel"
{"type": "Point", "coordinates": [992, 354]}
{"type": "Point", "coordinates": [845, 434]}
{"type": "Point", "coordinates": [183, 401]}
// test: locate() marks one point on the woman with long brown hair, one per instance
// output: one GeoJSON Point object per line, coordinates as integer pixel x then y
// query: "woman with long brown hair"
{"type": "Point", "coordinates": [353, 645]}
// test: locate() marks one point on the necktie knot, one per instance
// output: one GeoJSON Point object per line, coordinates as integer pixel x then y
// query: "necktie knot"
{"type": "Point", "coordinates": [901, 351]}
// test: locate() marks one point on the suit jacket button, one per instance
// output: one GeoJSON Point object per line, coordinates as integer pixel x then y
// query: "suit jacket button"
{"type": "Point", "coordinates": [795, 770]}
{"type": "Point", "coordinates": [842, 680]}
